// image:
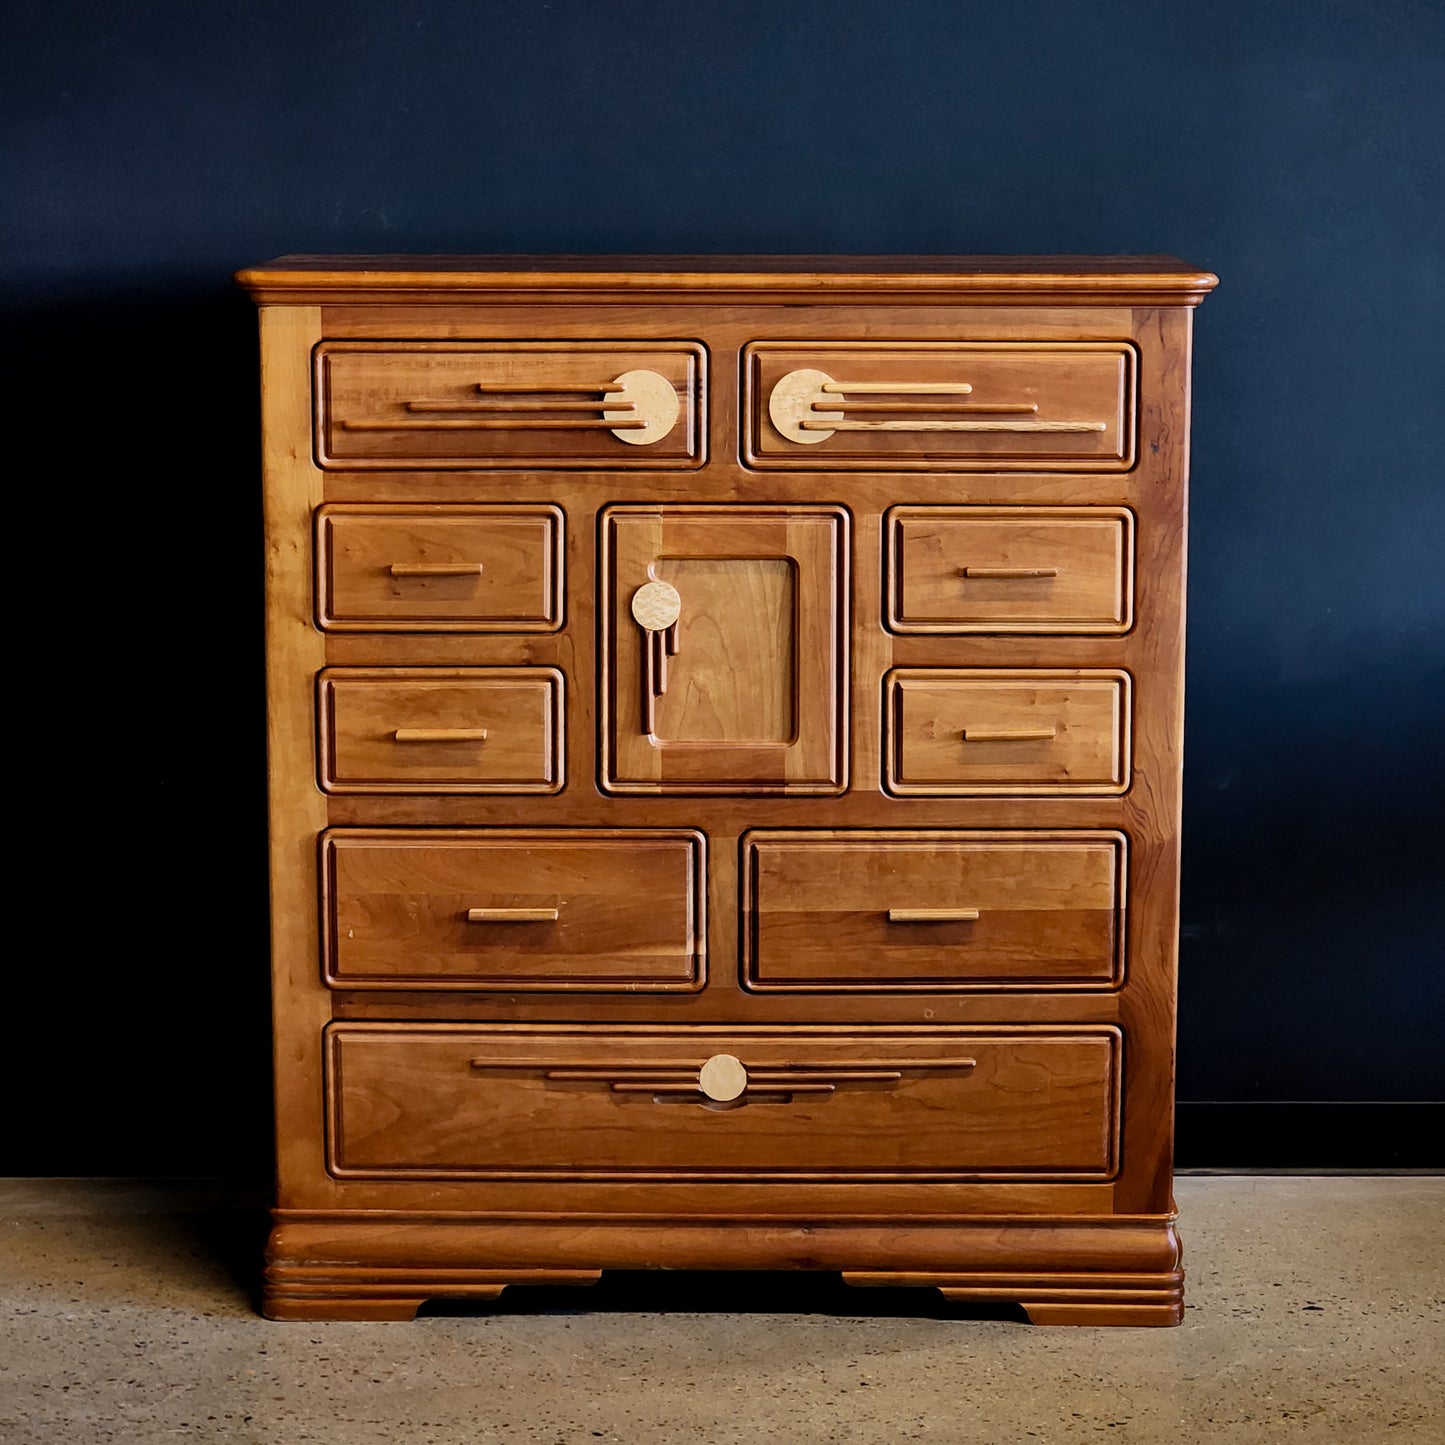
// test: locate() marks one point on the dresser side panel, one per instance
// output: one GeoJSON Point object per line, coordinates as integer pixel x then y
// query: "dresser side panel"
{"type": "Point", "coordinates": [295, 651]}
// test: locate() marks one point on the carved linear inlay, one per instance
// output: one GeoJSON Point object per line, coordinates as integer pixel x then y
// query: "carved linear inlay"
{"type": "Point", "coordinates": [637, 407]}
{"type": "Point", "coordinates": [723, 1079]}
{"type": "Point", "coordinates": [808, 406]}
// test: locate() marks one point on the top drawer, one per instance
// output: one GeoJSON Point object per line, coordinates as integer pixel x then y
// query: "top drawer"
{"type": "Point", "coordinates": [478, 404]}
{"type": "Point", "coordinates": [941, 406]}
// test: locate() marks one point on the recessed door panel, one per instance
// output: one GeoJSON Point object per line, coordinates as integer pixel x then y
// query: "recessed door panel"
{"type": "Point", "coordinates": [724, 649]}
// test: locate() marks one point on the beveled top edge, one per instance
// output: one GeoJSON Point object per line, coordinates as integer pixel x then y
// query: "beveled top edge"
{"type": "Point", "coordinates": [1085, 278]}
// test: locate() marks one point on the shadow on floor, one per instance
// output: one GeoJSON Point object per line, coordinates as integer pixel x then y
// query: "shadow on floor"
{"type": "Point", "coordinates": [713, 1292]}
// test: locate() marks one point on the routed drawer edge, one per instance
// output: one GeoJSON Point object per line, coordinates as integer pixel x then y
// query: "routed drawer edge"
{"type": "Point", "coordinates": [507, 756]}
{"type": "Point", "coordinates": [1070, 587]}
{"type": "Point", "coordinates": [437, 594]}
{"type": "Point", "coordinates": [1026, 732]}
{"type": "Point", "coordinates": [903, 1105]}
{"type": "Point", "coordinates": [1045, 406]}
{"type": "Point", "coordinates": [898, 895]}
{"type": "Point", "coordinates": [504, 404]}
{"type": "Point", "coordinates": [526, 913]}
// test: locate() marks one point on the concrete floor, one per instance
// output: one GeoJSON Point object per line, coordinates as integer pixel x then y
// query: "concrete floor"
{"type": "Point", "coordinates": [1315, 1313]}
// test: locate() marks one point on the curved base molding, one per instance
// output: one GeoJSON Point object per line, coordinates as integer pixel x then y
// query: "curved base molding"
{"type": "Point", "coordinates": [1104, 1271]}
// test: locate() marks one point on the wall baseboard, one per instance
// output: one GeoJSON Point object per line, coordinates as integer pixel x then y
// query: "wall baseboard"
{"type": "Point", "coordinates": [1232, 1135]}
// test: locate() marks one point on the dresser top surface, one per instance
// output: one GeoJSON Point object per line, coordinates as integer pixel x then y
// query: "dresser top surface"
{"type": "Point", "coordinates": [1138, 280]}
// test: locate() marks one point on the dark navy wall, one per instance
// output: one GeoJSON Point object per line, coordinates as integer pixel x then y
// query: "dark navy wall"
{"type": "Point", "coordinates": [1297, 149]}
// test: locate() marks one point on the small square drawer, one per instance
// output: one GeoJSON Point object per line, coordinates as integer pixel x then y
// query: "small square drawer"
{"type": "Point", "coordinates": [973, 731]}
{"type": "Point", "coordinates": [713, 1103]}
{"type": "Point", "coordinates": [830, 912]}
{"type": "Point", "coordinates": [441, 730]}
{"type": "Point", "coordinates": [941, 406]}
{"type": "Point", "coordinates": [477, 404]}
{"type": "Point", "coordinates": [1010, 569]}
{"type": "Point", "coordinates": [439, 569]}
{"type": "Point", "coordinates": [563, 910]}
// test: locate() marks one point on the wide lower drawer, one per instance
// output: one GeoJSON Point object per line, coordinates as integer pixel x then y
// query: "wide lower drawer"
{"type": "Point", "coordinates": [439, 569]}
{"type": "Point", "coordinates": [477, 404]}
{"type": "Point", "coordinates": [441, 730]}
{"type": "Point", "coordinates": [1021, 731]}
{"type": "Point", "coordinates": [941, 406]}
{"type": "Point", "coordinates": [1010, 569]}
{"type": "Point", "coordinates": [830, 912]}
{"type": "Point", "coordinates": [566, 910]}
{"type": "Point", "coordinates": [940, 1105]}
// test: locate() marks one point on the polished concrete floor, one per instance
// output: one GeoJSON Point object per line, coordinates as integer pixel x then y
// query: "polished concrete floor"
{"type": "Point", "coordinates": [1315, 1313]}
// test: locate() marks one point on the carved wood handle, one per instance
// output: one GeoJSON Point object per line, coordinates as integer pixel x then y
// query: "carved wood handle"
{"type": "Point", "coordinates": [656, 607]}
{"type": "Point", "coordinates": [436, 569]}
{"type": "Point", "coordinates": [723, 1078]}
{"type": "Point", "coordinates": [974, 426]}
{"type": "Point", "coordinates": [1007, 574]}
{"type": "Point", "coordinates": [933, 915]}
{"type": "Point", "coordinates": [440, 735]}
{"type": "Point", "coordinates": [639, 407]}
{"type": "Point", "coordinates": [1009, 735]}
{"type": "Point", "coordinates": [808, 406]}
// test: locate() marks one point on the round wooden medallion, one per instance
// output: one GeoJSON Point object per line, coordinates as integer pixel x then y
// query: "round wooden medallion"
{"type": "Point", "coordinates": [797, 398]}
{"type": "Point", "coordinates": [722, 1078]}
{"type": "Point", "coordinates": [646, 397]}
{"type": "Point", "coordinates": [656, 606]}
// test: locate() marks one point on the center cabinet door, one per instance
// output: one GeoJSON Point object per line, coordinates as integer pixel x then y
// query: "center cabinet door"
{"type": "Point", "coordinates": [746, 691]}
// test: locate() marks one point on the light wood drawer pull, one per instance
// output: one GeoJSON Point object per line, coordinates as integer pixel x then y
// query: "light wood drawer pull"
{"type": "Point", "coordinates": [513, 915]}
{"type": "Point", "coordinates": [1009, 735]}
{"type": "Point", "coordinates": [1022, 408]}
{"type": "Point", "coordinates": [933, 915]}
{"type": "Point", "coordinates": [1006, 574]}
{"type": "Point", "coordinates": [808, 406]}
{"type": "Point", "coordinates": [481, 408]}
{"type": "Point", "coordinates": [974, 426]}
{"type": "Point", "coordinates": [898, 388]}
{"type": "Point", "coordinates": [441, 735]}
{"type": "Point", "coordinates": [436, 569]}
{"type": "Point", "coordinates": [530, 388]}
{"type": "Point", "coordinates": [638, 407]}
{"type": "Point", "coordinates": [488, 424]}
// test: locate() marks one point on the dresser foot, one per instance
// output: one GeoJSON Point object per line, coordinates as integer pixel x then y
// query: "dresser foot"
{"type": "Point", "coordinates": [302, 1306]}
{"type": "Point", "coordinates": [1056, 1299]}
{"type": "Point", "coordinates": [346, 1273]}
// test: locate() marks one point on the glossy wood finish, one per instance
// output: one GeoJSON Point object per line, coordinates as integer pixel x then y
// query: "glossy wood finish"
{"type": "Point", "coordinates": [939, 1106]}
{"type": "Point", "coordinates": [750, 693]}
{"type": "Point", "coordinates": [876, 911]}
{"type": "Point", "coordinates": [743, 867]}
{"type": "Point", "coordinates": [558, 910]}
{"type": "Point", "coordinates": [939, 406]}
{"type": "Point", "coordinates": [1010, 569]}
{"type": "Point", "coordinates": [439, 569]}
{"type": "Point", "coordinates": [443, 730]}
{"type": "Point", "coordinates": [1035, 731]}
{"type": "Point", "coordinates": [441, 404]}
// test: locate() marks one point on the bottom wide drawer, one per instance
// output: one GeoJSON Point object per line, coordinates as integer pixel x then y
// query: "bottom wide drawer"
{"type": "Point", "coordinates": [538, 1102]}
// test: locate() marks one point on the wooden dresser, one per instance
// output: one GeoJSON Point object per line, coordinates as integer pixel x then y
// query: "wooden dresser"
{"type": "Point", "coordinates": [725, 773]}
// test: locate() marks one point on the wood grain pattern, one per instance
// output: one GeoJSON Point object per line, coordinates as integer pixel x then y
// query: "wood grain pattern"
{"type": "Point", "coordinates": [772, 814]}
{"type": "Point", "coordinates": [1079, 399]}
{"type": "Point", "coordinates": [1010, 570]}
{"type": "Point", "coordinates": [880, 911]}
{"type": "Point", "coordinates": [439, 569]}
{"type": "Point", "coordinates": [562, 910]}
{"type": "Point", "coordinates": [398, 405]}
{"type": "Point", "coordinates": [756, 697]}
{"type": "Point", "coordinates": [962, 732]}
{"type": "Point", "coordinates": [418, 1102]}
{"type": "Point", "coordinates": [445, 730]}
